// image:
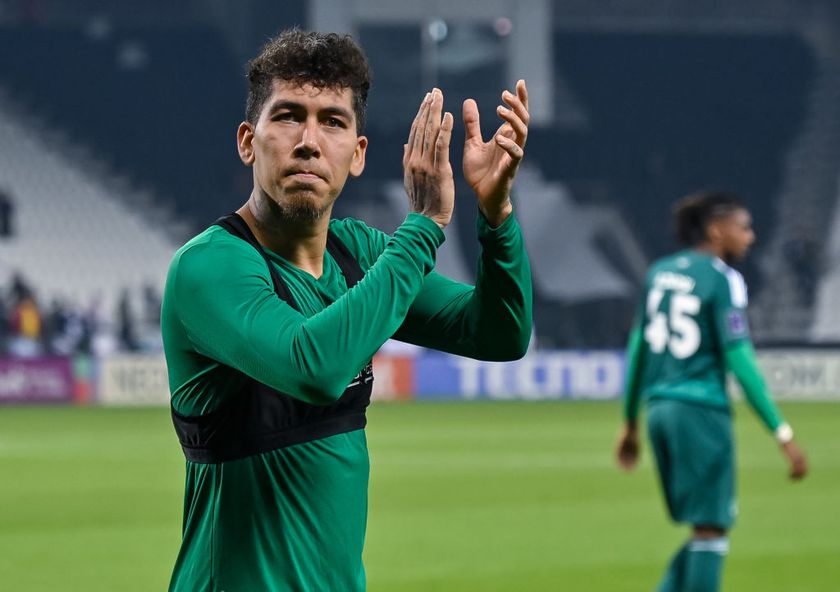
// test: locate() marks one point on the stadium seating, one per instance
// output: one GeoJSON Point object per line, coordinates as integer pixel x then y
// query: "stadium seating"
{"type": "Point", "coordinates": [665, 114]}
{"type": "Point", "coordinates": [157, 102]}
{"type": "Point", "coordinates": [800, 254]}
{"type": "Point", "coordinates": [672, 113]}
{"type": "Point", "coordinates": [72, 238]}
{"type": "Point", "coordinates": [669, 114]}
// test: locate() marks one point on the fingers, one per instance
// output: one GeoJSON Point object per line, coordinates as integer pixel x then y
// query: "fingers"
{"type": "Point", "coordinates": [472, 124]}
{"type": "Point", "coordinates": [513, 149]}
{"type": "Point", "coordinates": [798, 463]}
{"type": "Point", "coordinates": [433, 122]}
{"type": "Point", "coordinates": [419, 121]}
{"type": "Point", "coordinates": [627, 460]}
{"type": "Point", "coordinates": [627, 452]}
{"type": "Point", "coordinates": [799, 468]}
{"type": "Point", "coordinates": [443, 140]}
{"type": "Point", "coordinates": [522, 92]}
{"type": "Point", "coordinates": [516, 113]}
{"type": "Point", "coordinates": [425, 128]}
{"type": "Point", "coordinates": [519, 126]}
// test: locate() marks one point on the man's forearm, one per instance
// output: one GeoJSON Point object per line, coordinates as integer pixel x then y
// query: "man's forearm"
{"type": "Point", "coordinates": [632, 394]}
{"type": "Point", "coordinates": [503, 297]}
{"type": "Point", "coordinates": [491, 320]}
{"type": "Point", "coordinates": [741, 361]}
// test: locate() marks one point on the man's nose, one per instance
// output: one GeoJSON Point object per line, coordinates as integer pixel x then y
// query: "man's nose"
{"type": "Point", "coordinates": [309, 142]}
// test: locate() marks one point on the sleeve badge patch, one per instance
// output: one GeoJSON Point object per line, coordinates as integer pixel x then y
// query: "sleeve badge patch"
{"type": "Point", "coordinates": [736, 323]}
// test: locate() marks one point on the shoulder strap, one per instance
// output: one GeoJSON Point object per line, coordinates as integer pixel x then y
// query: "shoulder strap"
{"type": "Point", "coordinates": [346, 261]}
{"type": "Point", "coordinates": [235, 225]}
{"type": "Point", "coordinates": [348, 264]}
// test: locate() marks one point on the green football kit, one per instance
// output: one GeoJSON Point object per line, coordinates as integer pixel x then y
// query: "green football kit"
{"type": "Point", "coordinates": [270, 375]}
{"type": "Point", "coordinates": [691, 328]}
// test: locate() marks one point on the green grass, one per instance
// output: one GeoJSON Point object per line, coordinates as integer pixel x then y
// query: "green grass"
{"type": "Point", "coordinates": [464, 496]}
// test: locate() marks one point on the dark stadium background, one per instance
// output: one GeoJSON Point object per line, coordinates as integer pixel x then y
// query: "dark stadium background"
{"type": "Point", "coordinates": [117, 126]}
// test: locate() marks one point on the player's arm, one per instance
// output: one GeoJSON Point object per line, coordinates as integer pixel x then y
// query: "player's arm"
{"type": "Point", "coordinates": [491, 320]}
{"type": "Point", "coordinates": [627, 450]}
{"type": "Point", "coordinates": [741, 361]}
{"type": "Point", "coordinates": [226, 303]}
{"type": "Point", "coordinates": [732, 332]}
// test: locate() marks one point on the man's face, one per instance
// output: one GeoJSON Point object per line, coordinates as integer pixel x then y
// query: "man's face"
{"type": "Point", "coordinates": [302, 148]}
{"type": "Point", "coordinates": [735, 235]}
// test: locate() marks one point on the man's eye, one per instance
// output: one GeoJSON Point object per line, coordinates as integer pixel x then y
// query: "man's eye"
{"type": "Point", "coordinates": [284, 117]}
{"type": "Point", "coordinates": [334, 122]}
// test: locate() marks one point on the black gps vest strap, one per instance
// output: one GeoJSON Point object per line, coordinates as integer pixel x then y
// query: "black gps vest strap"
{"type": "Point", "coordinates": [346, 262]}
{"type": "Point", "coordinates": [259, 418]}
{"type": "Point", "coordinates": [235, 225]}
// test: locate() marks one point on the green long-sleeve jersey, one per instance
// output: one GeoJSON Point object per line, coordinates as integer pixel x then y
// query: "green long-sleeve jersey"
{"type": "Point", "coordinates": [294, 518]}
{"type": "Point", "coordinates": [691, 328]}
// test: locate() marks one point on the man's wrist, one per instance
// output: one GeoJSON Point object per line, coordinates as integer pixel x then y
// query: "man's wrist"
{"type": "Point", "coordinates": [497, 215]}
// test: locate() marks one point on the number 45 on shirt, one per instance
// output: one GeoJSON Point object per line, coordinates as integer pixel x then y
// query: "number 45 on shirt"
{"type": "Point", "coordinates": [674, 326]}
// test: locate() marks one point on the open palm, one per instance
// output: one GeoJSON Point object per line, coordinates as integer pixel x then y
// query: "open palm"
{"type": "Point", "coordinates": [490, 167]}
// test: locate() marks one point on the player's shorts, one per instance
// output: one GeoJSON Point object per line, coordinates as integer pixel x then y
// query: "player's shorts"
{"type": "Point", "coordinates": [694, 450]}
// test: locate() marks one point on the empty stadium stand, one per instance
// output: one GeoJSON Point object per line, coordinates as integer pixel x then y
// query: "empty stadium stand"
{"type": "Point", "coordinates": [72, 238]}
{"type": "Point", "coordinates": [160, 105]}
{"type": "Point", "coordinates": [661, 114]}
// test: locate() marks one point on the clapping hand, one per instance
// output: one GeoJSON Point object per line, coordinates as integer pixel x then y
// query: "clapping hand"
{"type": "Point", "coordinates": [427, 172]}
{"type": "Point", "coordinates": [490, 167]}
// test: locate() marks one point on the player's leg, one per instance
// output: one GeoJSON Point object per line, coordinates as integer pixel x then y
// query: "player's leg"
{"type": "Point", "coordinates": [672, 581]}
{"type": "Point", "coordinates": [661, 433]}
{"type": "Point", "coordinates": [693, 448]}
{"type": "Point", "coordinates": [710, 505]}
{"type": "Point", "coordinates": [704, 561]}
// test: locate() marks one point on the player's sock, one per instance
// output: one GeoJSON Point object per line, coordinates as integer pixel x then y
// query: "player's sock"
{"type": "Point", "coordinates": [704, 564]}
{"type": "Point", "coordinates": [672, 582]}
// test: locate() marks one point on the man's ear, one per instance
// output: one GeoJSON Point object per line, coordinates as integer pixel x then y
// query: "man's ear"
{"type": "Point", "coordinates": [714, 232]}
{"type": "Point", "coordinates": [245, 142]}
{"type": "Point", "coordinates": [358, 164]}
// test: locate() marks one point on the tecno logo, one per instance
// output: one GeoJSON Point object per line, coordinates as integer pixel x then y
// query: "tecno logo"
{"type": "Point", "coordinates": [544, 375]}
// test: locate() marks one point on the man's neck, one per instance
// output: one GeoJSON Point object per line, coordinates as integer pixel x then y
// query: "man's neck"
{"type": "Point", "coordinates": [711, 249]}
{"type": "Point", "coordinates": [302, 245]}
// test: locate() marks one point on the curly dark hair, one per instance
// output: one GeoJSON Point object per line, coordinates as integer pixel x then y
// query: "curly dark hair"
{"type": "Point", "coordinates": [324, 60]}
{"type": "Point", "coordinates": [693, 214]}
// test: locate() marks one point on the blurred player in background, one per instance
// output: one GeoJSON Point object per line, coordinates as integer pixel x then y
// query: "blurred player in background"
{"type": "Point", "coordinates": [271, 317]}
{"type": "Point", "coordinates": [690, 330]}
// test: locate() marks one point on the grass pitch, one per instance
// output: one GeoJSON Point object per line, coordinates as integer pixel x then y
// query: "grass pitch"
{"type": "Point", "coordinates": [464, 497]}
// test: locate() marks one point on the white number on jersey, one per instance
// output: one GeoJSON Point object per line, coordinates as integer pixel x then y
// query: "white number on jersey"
{"type": "Point", "coordinates": [674, 328]}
